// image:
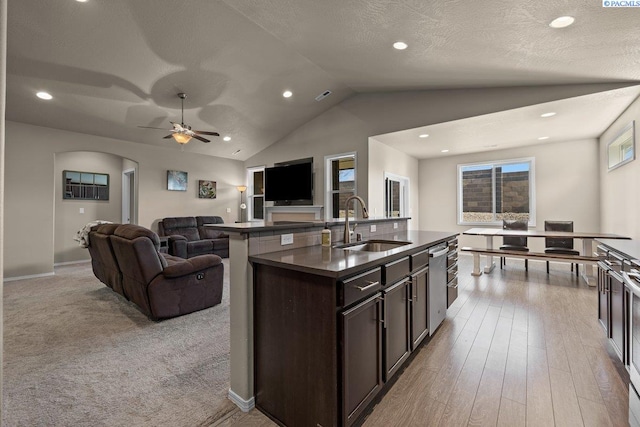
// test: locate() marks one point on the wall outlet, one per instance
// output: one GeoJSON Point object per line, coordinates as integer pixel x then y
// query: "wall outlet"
{"type": "Point", "coordinates": [286, 239]}
{"type": "Point", "coordinates": [81, 210]}
{"type": "Point", "coordinates": [228, 210]}
{"type": "Point", "coordinates": [373, 228]}
{"type": "Point", "coordinates": [395, 225]}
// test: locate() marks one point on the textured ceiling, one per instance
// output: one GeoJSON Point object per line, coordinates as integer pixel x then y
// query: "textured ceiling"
{"type": "Point", "coordinates": [113, 65]}
{"type": "Point", "coordinates": [583, 117]}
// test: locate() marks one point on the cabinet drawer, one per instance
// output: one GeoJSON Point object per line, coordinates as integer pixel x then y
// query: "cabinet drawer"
{"type": "Point", "coordinates": [452, 273]}
{"type": "Point", "coordinates": [396, 270]}
{"type": "Point", "coordinates": [453, 244]}
{"type": "Point", "coordinates": [452, 292]}
{"type": "Point", "coordinates": [419, 260]}
{"type": "Point", "coordinates": [452, 259]}
{"type": "Point", "coordinates": [361, 286]}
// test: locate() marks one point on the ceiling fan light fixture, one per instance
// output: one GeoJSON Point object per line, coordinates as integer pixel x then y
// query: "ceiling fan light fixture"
{"type": "Point", "coordinates": [226, 138]}
{"type": "Point", "coordinates": [181, 138]}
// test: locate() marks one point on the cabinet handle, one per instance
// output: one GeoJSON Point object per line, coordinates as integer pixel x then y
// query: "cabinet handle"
{"type": "Point", "coordinates": [370, 285]}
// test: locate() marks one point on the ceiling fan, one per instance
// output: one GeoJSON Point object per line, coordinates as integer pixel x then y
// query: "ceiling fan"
{"type": "Point", "coordinates": [183, 133]}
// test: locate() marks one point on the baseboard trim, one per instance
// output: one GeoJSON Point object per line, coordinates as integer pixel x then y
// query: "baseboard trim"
{"type": "Point", "coordinates": [244, 405]}
{"type": "Point", "coordinates": [31, 276]}
{"type": "Point", "coordinates": [82, 261]}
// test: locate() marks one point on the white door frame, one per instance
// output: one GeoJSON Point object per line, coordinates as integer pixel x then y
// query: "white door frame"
{"type": "Point", "coordinates": [128, 211]}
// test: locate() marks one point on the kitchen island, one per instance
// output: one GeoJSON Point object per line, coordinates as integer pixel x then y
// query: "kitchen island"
{"type": "Point", "coordinates": [333, 325]}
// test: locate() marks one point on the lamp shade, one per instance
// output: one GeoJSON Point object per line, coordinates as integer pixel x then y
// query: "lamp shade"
{"type": "Point", "coordinates": [181, 138]}
{"type": "Point", "coordinates": [241, 188]}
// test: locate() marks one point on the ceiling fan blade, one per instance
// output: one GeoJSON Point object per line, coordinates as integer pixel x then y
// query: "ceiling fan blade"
{"type": "Point", "coordinates": [168, 136]}
{"type": "Point", "coordinates": [151, 127]}
{"type": "Point", "coordinates": [199, 138]}
{"type": "Point", "coordinates": [202, 132]}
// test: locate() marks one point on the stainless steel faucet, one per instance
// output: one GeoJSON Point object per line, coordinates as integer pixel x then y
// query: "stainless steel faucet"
{"type": "Point", "coordinates": [365, 214]}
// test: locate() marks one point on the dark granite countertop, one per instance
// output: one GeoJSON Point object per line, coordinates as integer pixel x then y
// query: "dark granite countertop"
{"type": "Point", "coordinates": [250, 227]}
{"type": "Point", "coordinates": [630, 248]}
{"type": "Point", "coordinates": [336, 263]}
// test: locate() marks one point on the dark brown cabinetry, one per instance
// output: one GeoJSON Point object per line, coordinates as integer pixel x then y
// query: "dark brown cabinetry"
{"type": "Point", "coordinates": [613, 300]}
{"type": "Point", "coordinates": [326, 345]}
{"type": "Point", "coordinates": [397, 345]}
{"type": "Point", "coordinates": [452, 272]}
{"type": "Point", "coordinates": [362, 356]}
{"type": "Point", "coordinates": [418, 300]}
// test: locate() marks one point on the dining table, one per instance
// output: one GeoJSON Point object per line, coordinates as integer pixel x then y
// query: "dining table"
{"type": "Point", "coordinates": [587, 238]}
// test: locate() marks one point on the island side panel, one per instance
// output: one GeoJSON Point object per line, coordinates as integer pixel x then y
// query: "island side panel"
{"type": "Point", "coordinates": [295, 343]}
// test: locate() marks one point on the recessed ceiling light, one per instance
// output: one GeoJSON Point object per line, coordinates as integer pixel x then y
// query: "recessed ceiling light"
{"type": "Point", "coordinates": [424, 135]}
{"type": "Point", "coordinates": [226, 138]}
{"type": "Point", "coordinates": [444, 151]}
{"type": "Point", "coordinates": [287, 94]}
{"type": "Point", "coordinates": [542, 138]}
{"type": "Point", "coordinates": [236, 152]}
{"type": "Point", "coordinates": [44, 95]}
{"type": "Point", "coordinates": [549, 114]}
{"type": "Point", "coordinates": [81, 1]}
{"type": "Point", "coordinates": [562, 22]}
{"type": "Point", "coordinates": [400, 45]}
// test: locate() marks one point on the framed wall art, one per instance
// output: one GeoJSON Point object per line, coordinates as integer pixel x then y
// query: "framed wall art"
{"type": "Point", "coordinates": [176, 180]}
{"type": "Point", "coordinates": [207, 189]}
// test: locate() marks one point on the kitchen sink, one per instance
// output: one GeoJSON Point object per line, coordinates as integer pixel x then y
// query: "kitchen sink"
{"type": "Point", "coordinates": [373, 245]}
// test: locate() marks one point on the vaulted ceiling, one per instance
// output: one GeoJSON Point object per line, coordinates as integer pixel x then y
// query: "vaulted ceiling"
{"type": "Point", "coordinates": [114, 65]}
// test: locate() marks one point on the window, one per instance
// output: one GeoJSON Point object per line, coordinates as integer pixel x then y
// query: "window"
{"type": "Point", "coordinates": [340, 173]}
{"type": "Point", "coordinates": [621, 150]}
{"type": "Point", "coordinates": [255, 192]}
{"type": "Point", "coordinates": [491, 192]}
{"type": "Point", "coordinates": [85, 185]}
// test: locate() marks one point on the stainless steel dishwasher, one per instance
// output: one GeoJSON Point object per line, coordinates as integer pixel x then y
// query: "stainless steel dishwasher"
{"type": "Point", "coordinates": [437, 286]}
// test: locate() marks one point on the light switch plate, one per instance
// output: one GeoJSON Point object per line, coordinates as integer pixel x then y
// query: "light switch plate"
{"type": "Point", "coordinates": [228, 210]}
{"type": "Point", "coordinates": [286, 239]}
{"type": "Point", "coordinates": [395, 225]}
{"type": "Point", "coordinates": [373, 228]}
{"type": "Point", "coordinates": [81, 210]}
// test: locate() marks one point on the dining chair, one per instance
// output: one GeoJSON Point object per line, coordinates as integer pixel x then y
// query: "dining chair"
{"type": "Point", "coordinates": [514, 243]}
{"type": "Point", "coordinates": [559, 245]}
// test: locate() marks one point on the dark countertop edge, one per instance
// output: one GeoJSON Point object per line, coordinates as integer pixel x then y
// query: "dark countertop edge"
{"type": "Point", "coordinates": [357, 267]}
{"type": "Point", "coordinates": [252, 227]}
{"type": "Point", "coordinates": [629, 248]}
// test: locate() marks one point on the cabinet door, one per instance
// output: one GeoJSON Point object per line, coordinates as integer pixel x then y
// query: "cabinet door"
{"type": "Point", "coordinates": [419, 315]}
{"type": "Point", "coordinates": [362, 357]}
{"type": "Point", "coordinates": [396, 326]}
{"type": "Point", "coordinates": [617, 325]}
{"type": "Point", "coordinates": [603, 299]}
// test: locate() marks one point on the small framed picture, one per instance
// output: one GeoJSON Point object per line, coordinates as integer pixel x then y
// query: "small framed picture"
{"type": "Point", "coordinates": [206, 189]}
{"type": "Point", "coordinates": [176, 180]}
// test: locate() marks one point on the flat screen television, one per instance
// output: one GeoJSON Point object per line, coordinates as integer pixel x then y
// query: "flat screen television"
{"type": "Point", "coordinates": [291, 183]}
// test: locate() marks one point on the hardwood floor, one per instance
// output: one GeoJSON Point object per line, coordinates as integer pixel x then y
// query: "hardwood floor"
{"type": "Point", "coordinates": [515, 349]}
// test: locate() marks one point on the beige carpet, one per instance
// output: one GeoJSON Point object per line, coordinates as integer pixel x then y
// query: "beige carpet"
{"type": "Point", "coordinates": [78, 354]}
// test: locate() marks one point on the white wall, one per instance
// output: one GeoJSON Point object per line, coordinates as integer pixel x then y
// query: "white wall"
{"type": "Point", "coordinates": [348, 126]}
{"type": "Point", "coordinates": [383, 158]}
{"type": "Point", "coordinates": [620, 201]}
{"type": "Point", "coordinates": [567, 187]}
{"type": "Point", "coordinates": [30, 188]}
{"type": "Point", "coordinates": [68, 219]}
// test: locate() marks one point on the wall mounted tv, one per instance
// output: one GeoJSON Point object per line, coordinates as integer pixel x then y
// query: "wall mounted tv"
{"type": "Point", "coordinates": [289, 183]}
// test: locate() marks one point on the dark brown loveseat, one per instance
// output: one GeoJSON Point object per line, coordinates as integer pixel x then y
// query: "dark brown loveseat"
{"type": "Point", "coordinates": [125, 257]}
{"type": "Point", "coordinates": [189, 236]}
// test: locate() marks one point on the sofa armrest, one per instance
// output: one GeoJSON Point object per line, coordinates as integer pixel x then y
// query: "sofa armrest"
{"type": "Point", "coordinates": [178, 246]}
{"type": "Point", "coordinates": [191, 265]}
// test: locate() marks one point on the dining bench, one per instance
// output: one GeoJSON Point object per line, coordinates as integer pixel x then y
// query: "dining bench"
{"type": "Point", "coordinates": [583, 259]}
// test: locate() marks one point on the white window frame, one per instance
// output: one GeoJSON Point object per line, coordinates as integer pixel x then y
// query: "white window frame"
{"type": "Point", "coordinates": [532, 189]}
{"type": "Point", "coordinates": [251, 195]}
{"type": "Point", "coordinates": [328, 193]}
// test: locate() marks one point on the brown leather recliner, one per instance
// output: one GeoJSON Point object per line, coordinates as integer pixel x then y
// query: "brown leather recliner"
{"type": "Point", "coordinates": [188, 236]}
{"type": "Point", "coordinates": [103, 260]}
{"type": "Point", "coordinates": [164, 286]}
